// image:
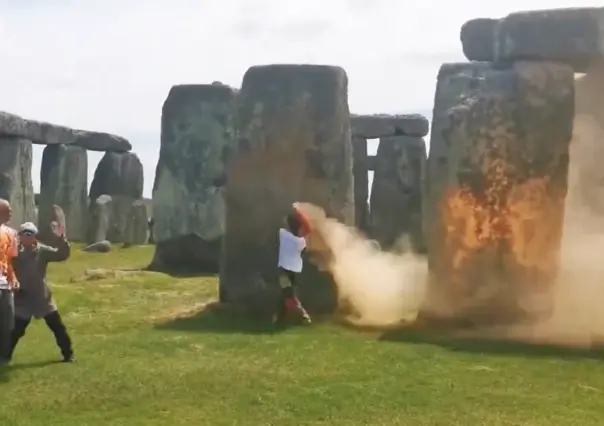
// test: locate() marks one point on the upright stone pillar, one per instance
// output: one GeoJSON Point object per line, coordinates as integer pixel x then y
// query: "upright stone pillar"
{"type": "Point", "coordinates": [64, 182]}
{"type": "Point", "coordinates": [396, 194]}
{"type": "Point", "coordinates": [361, 182]}
{"type": "Point", "coordinates": [293, 128]}
{"type": "Point", "coordinates": [15, 178]}
{"type": "Point", "coordinates": [497, 182]}
{"type": "Point", "coordinates": [188, 192]}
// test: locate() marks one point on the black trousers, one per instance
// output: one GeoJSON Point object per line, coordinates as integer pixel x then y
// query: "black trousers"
{"type": "Point", "coordinates": [54, 323]}
{"type": "Point", "coordinates": [7, 321]}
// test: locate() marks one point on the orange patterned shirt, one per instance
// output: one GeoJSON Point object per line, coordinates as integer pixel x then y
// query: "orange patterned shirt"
{"type": "Point", "coordinates": [8, 251]}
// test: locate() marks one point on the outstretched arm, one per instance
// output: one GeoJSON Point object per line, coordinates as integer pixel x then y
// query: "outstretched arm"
{"type": "Point", "coordinates": [59, 253]}
{"type": "Point", "coordinates": [305, 227]}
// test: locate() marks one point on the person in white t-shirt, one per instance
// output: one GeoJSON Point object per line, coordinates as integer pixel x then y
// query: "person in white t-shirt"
{"type": "Point", "coordinates": [291, 247]}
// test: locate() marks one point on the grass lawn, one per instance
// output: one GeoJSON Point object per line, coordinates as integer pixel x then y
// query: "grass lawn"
{"type": "Point", "coordinates": [148, 357]}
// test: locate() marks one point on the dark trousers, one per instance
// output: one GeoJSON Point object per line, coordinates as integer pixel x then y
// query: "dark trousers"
{"type": "Point", "coordinates": [54, 323]}
{"type": "Point", "coordinates": [7, 322]}
{"type": "Point", "coordinates": [287, 282]}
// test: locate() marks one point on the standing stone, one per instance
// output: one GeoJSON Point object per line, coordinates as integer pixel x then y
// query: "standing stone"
{"type": "Point", "coordinates": [119, 175]}
{"type": "Point", "coordinates": [188, 192]}
{"type": "Point", "coordinates": [478, 39]}
{"type": "Point", "coordinates": [101, 218]}
{"type": "Point", "coordinates": [137, 224]}
{"type": "Point", "coordinates": [396, 193]}
{"type": "Point", "coordinates": [573, 36]}
{"type": "Point", "coordinates": [361, 182]}
{"type": "Point", "coordinates": [15, 178]}
{"type": "Point", "coordinates": [293, 145]}
{"type": "Point", "coordinates": [497, 182]}
{"type": "Point", "coordinates": [64, 182]}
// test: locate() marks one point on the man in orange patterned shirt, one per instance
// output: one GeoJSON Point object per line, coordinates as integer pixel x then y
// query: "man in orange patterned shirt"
{"type": "Point", "coordinates": [8, 280]}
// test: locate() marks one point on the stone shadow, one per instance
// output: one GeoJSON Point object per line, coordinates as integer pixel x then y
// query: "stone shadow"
{"type": "Point", "coordinates": [453, 343]}
{"type": "Point", "coordinates": [220, 318]}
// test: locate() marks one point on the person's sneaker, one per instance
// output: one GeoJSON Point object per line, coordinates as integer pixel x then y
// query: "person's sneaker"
{"type": "Point", "coordinates": [69, 358]}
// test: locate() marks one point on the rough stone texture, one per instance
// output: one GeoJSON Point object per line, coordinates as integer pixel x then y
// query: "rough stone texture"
{"type": "Point", "coordinates": [497, 174]}
{"type": "Point", "coordinates": [52, 134]}
{"type": "Point", "coordinates": [585, 200]}
{"type": "Point", "coordinates": [15, 178]}
{"type": "Point", "coordinates": [99, 247]}
{"type": "Point", "coordinates": [478, 39]}
{"type": "Point", "coordinates": [137, 225]}
{"type": "Point", "coordinates": [64, 182]}
{"type": "Point", "coordinates": [119, 175]}
{"type": "Point", "coordinates": [361, 183]}
{"type": "Point", "coordinates": [293, 145]}
{"type": "Point", "coordinates": [370, 162]}
{"type": "Point", "coordinates": [381, 125]}
{"type": "Point", "coordinates": [574, 36]}
{"type": "Point", "coordinates": [100, 219]}
{"type": "Point", "coordinates": [188, 192]}
{"type": "Point", "coordinates": [396, 194]}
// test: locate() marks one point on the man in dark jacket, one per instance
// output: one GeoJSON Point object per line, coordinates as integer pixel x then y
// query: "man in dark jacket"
{"type": "Point", "coordinates": [34, 298]}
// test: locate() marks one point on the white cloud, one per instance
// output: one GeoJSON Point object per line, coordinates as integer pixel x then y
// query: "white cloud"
{"type": "Point", "coordinates": [108, 64]}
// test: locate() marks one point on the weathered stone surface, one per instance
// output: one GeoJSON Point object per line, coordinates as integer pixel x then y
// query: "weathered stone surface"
{"type": "Point", "coordinates": [52, 134]}
{"type": "Point", "coordinates": [382, 125]}
{"type": "Point", "coordinates": [100, 219]}
{"type": "Point", "coordinates": [370, 162]}
{"type": "Point", "coordinates": [188, 192]}
{"type": "Point", "coordinates": [585, 200]}
{"type": "Point", "coordinates": [293, 145]}
{"type": "Point", "coordinates": [478, 39]}
{"type": "Point", "coordinates": [497, 181]}
{"type": "Point", "coordinates": [361, 182]}
{"type": "Point", "coordinates": [98, 247]}
{"type": "Point", "coordinates": [573, 36]}
{"type": "Point", "coordinates": [137, 224]}
{"type": "Point", "coordinates": [15, 178]}
{"type": "Point", "coordinates": [396, 194]}
{"type": "Point", "coordinates": [64, 182]}
{"type": "Point", "coordinates": [119, 175]}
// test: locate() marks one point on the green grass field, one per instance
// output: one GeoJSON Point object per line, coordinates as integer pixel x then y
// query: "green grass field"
{"type": "Point", "coordinates": [148, 356]}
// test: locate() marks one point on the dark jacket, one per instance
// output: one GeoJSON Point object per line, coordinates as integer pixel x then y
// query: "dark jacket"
{"type": "Point", "coordinates": [34, 298]}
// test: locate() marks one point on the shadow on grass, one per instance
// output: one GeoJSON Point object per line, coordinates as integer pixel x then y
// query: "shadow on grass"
{"type": "Point", "coordinates": [6, 371]}
{"type": "Point", "coordinates": [219, 318]}
{"type": "Point", "coordinates": [490, 346]}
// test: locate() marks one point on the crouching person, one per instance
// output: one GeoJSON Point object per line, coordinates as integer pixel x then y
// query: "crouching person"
{"type": "Point", "coordinates": [34, 298]}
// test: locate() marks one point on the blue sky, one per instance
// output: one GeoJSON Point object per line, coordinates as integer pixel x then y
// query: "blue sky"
{"type": "Point", "coordinates": [108, 65]}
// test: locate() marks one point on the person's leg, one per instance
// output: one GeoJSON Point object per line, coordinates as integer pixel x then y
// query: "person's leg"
{"type": "Point", "coordinates": [7, 320]}
{"type": "Point", "coordinates": [281, 313]}
{"type": "Point", "coordinates": [55, 323]}
{"type": "Point", "coordinates": [293, 302]}
{"type": "Point", "coordinates": [19, 329]}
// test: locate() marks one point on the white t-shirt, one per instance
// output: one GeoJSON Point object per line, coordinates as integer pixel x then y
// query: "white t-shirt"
{"type": "Point", "coordinates": [290, 251]}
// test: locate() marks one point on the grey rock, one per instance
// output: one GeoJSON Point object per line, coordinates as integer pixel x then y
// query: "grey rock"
{"type": "Point", "coordinates": [188, 192]}
{"type": "Point", "coordinates": [15, 178]}
{"type": "Point", "coordinates": [371, 160]}
{"type": "Point", "coordinates": [118, 174]}
{"type": "Point", "coordinates": [361, 182]}
{"type": "Point", "coordinates": [573, 36]}
{"type": "Point", "coordinates": [98, 247]}
{"type": "Point", "coordinates": [52, 134]}
{"type": "Point", "coordinates": [293, 128]}
{"type": "Point", "coordinates": [100, 219]}
{"type": "Point", "coordinates": [497, 181]}
{"type": "Point", "coordinates": [64, 182]}
{"type": "Point", "coordinates": [137, 225]}
{"type": "Point", "coordinates": [478, 39]}
{"type": "Point", "coordinates": [396, 194]}
{"type": "Point", "coordinates": [382, 125]}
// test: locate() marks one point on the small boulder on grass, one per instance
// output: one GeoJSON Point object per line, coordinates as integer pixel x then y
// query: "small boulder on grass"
{"type": "Point", "coordinates": [98, 247]}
